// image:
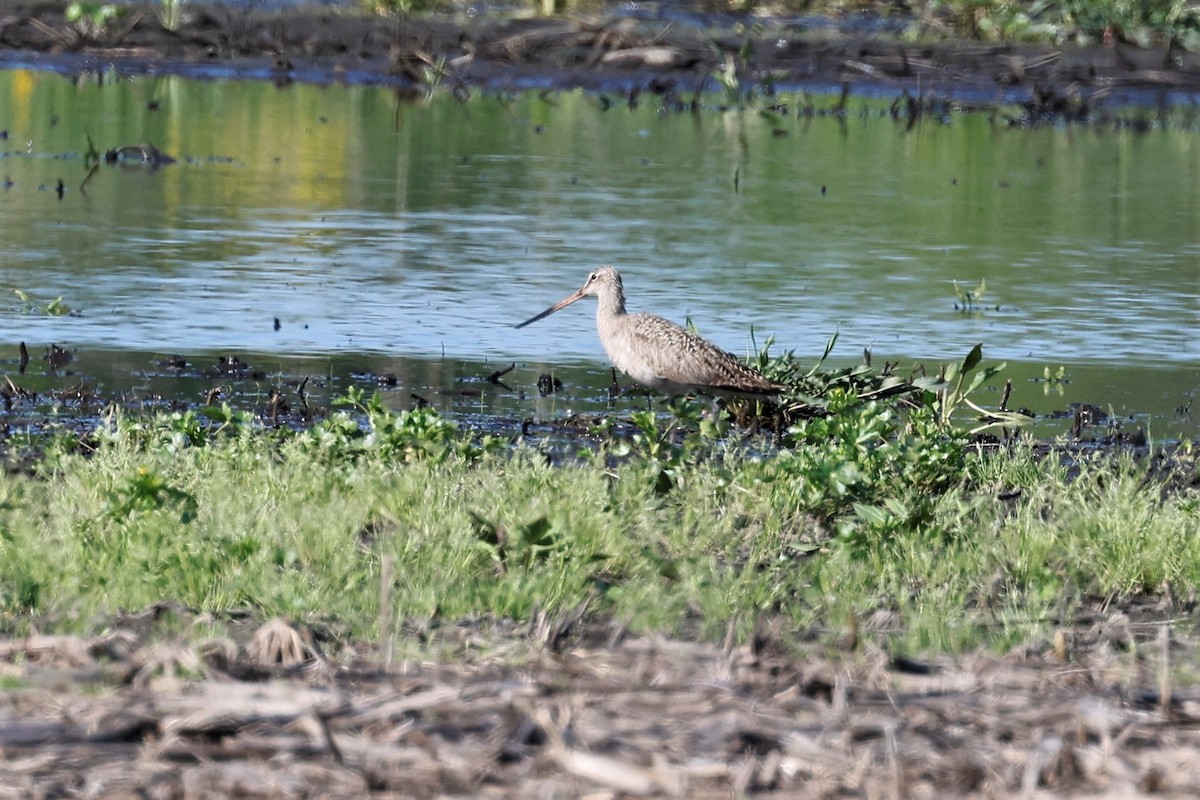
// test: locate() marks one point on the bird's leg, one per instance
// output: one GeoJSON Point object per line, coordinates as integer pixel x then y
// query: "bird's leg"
{"type": "Point", "coordinates": [614, 390]}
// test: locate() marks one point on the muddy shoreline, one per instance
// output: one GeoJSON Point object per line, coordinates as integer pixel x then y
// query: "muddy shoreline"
{"type": "Point", "coordinates": [672, 55]}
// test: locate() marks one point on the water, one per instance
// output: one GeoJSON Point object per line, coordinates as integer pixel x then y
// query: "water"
{"type": "Point", "coordinates": [397, 235]}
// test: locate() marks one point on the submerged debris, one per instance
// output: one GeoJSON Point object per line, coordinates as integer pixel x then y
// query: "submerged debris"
{"type": "Point", "coordinates": [138, 155]}
{"type": "Point", "coordinates": [57, 357]}
{"type": "Point", "coordinates": [495, 377]}
{"type": "Point", "coordinates": [548, 384]}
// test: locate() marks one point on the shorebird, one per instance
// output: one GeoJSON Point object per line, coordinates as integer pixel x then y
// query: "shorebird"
{"type": "Point", "coordinates": [659, 354]}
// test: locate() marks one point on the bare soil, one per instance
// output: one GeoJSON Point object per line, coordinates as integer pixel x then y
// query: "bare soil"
{"type": "Point", "coordinates": [563, 708]}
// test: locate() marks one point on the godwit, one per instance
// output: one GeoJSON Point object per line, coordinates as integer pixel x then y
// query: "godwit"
{"type": "Point", "coordinates": [659, 354]}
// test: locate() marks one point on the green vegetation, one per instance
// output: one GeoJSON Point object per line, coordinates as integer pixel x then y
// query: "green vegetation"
{"type": "Point", "coordinates": [1053, 380]}
{"type": "Point", "coordinates": [92, 20]}
{"type": "Point", "coordinates": [170, 13]}
{"type": "Point", "coordinates": [1139, 21]}
{"type": "Point", "coordinates": [969, 300]}
{"type": "Point", "coordinates": [870, 509]}
{"type": "Point", "coordinates": [54, 308]}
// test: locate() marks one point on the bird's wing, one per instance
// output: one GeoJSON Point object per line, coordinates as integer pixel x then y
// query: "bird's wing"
{"type": "Point", "coordinates": [680, 356]}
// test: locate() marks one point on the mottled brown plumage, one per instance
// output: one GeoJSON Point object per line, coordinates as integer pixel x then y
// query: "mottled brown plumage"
{"type": "Point", "coordinates": [659, 354]}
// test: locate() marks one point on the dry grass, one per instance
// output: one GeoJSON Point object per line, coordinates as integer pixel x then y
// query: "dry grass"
{"type": "Point", "coordinates": [603, 715]}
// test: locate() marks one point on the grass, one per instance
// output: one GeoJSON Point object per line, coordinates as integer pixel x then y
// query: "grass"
{"type": "Point", "coordinates": [869, 510]}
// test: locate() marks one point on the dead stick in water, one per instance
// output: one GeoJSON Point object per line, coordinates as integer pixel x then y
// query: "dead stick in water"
{"type": "Point", "coordinates": [500, 373]}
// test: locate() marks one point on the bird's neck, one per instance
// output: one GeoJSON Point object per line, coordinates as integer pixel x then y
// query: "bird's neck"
{"type": "Point", "coordinates": [611, 304]}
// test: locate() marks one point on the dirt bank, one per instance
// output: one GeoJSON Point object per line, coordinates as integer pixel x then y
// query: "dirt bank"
{"type": "Point", "coordinates": [611, 52]}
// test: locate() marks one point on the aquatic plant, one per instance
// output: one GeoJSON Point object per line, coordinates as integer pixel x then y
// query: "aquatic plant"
{"type": "Point", "coordinates": [732, 75]}
{"type": "Point", "coordinates": [950, 390]}
{"type": "Point", "coordinates": [433, 72]}
{"type": "Point", "coordinates": [969, 300]}
{"type": "Point", "coordinates": [1055, 380]}
{"type": "Point", "coordinates": [53, 308]}
{"type": "Point", "coordinates": [170, 13]}
{"type": "Point", "coordinates": [818, 390]}
{"type": "Point", "coordinates": [813, 387]}
{"type": "Point", "coordinates": [92, 20]}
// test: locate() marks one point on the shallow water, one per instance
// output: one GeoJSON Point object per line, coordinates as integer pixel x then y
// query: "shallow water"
{"type": "Point", "coordinates": [392, 232]}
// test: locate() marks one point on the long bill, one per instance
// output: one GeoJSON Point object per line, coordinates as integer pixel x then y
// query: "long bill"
{"type": "Point", "coordinates": [566, 301]}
